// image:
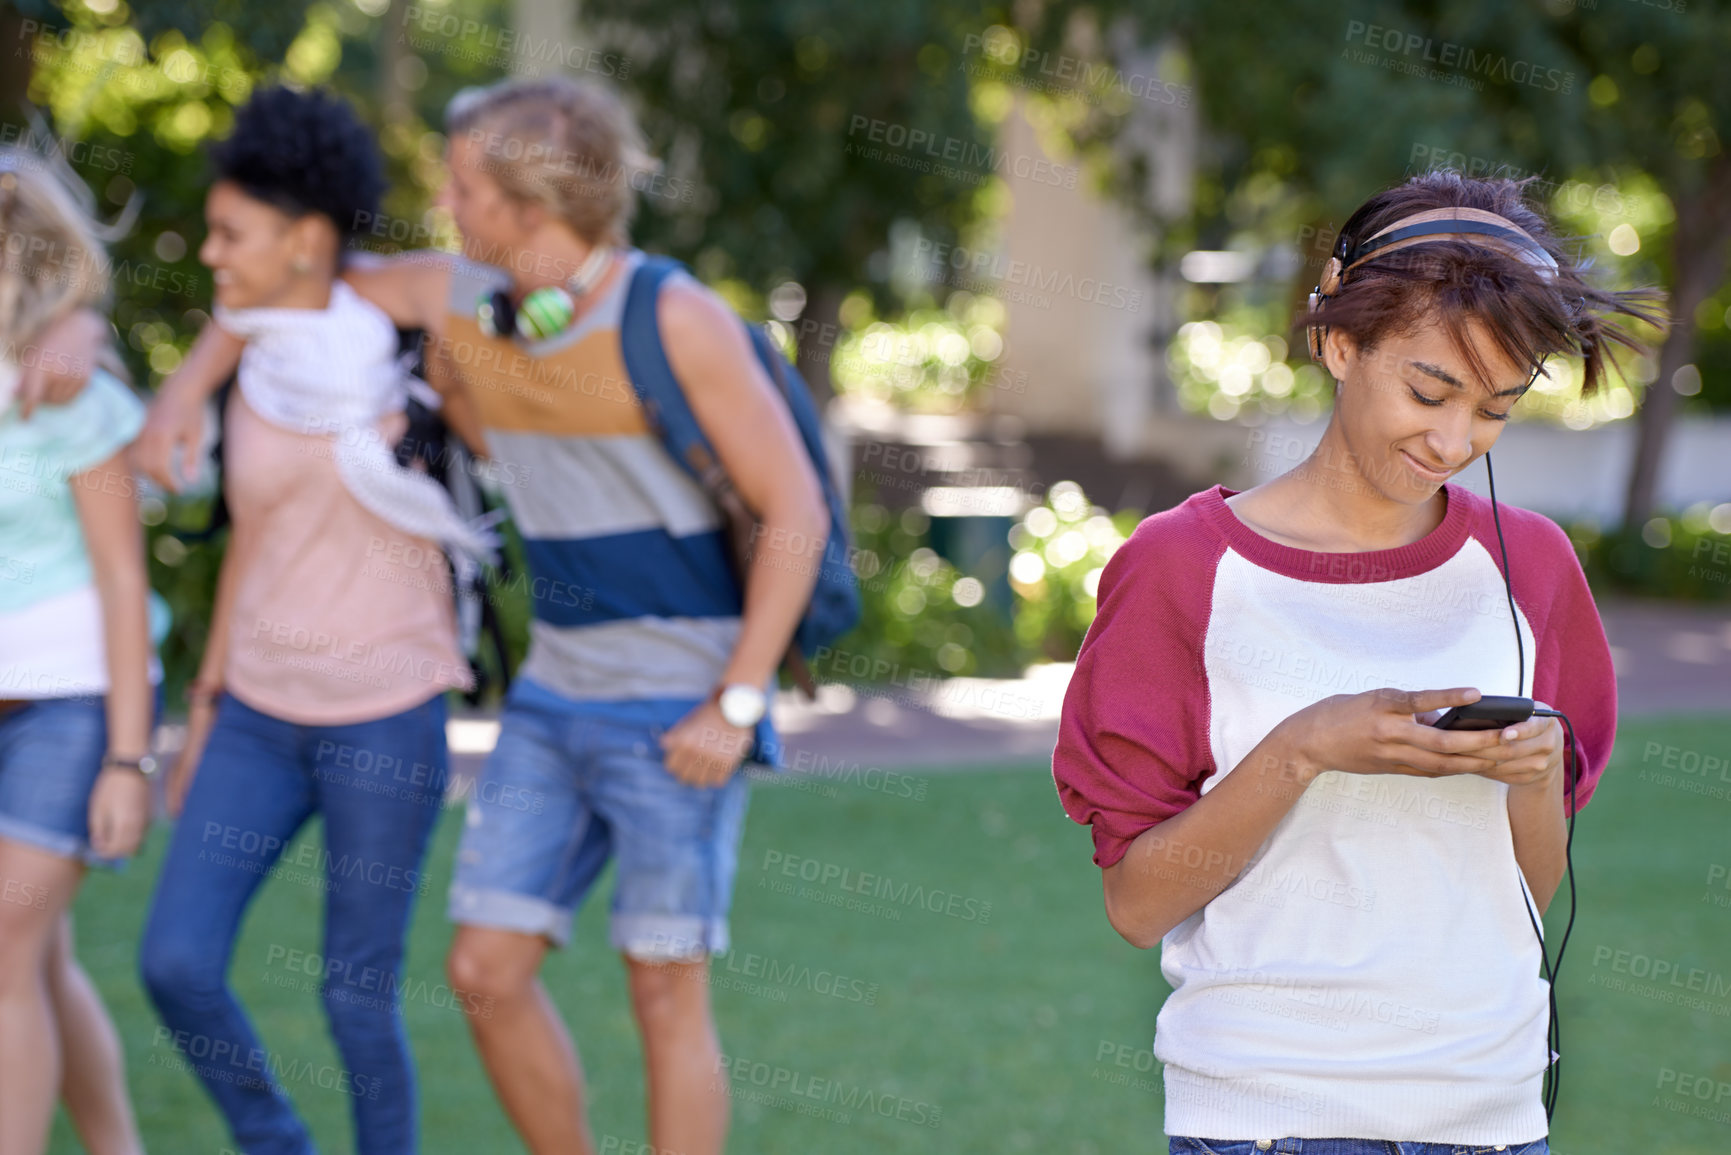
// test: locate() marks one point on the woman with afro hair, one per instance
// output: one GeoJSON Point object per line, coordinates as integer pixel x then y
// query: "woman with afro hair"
{"type": "Point", "coordinates": [333, 637]}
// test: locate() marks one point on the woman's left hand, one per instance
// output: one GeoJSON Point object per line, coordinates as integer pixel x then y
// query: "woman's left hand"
{"type": "Point", "coordinates": [1530, 753]}
{"type": "Point", "coordinates": [119, 812]}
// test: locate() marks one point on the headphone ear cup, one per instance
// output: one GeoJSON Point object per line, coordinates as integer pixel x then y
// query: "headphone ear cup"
{"type": "Point", "coordinates": [494, 313]}
{"type": "Point", "coordinates": [1315, 331]}
{"type": "Point", "coordinates": [545, 313]}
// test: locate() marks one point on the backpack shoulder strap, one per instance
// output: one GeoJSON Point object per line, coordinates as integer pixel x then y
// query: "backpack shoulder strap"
{"type": "Point", "coordinates": [652, 378]}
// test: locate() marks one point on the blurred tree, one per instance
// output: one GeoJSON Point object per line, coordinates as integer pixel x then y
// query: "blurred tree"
{"type": "Point", "coordinates": [266, 30]}
{"type": "Point", "coordinates": [1312, 108]}
{"type": "Point", "coordinates": [20, 22]}
{"type": "Point", "coordinates": [1659, 97]}
{"type": "Point", "coordinates": [807, 127]}
{"type": "Point", "coordinates": [135, 94]}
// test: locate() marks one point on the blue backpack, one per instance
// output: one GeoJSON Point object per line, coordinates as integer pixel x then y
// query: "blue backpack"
{"type": "Point", "coordinates": [835, 601]}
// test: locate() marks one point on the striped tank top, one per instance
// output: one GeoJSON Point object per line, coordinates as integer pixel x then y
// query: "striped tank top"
{"type": "Point", "coordinates": [631, 589]}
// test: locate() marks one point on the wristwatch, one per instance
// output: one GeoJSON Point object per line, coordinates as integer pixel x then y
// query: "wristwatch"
{"type": "Point", "coordinates": [742, 706]}
{"type": "Point", "coordinates": [145, 765]}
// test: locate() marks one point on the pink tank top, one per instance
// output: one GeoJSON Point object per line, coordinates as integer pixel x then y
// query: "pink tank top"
{"type": "Point", "coordinates": [339, 617]}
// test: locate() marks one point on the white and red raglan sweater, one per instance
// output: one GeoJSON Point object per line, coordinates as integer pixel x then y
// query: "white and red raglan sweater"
{"type": "Point", "coordinates": [1374, 973]}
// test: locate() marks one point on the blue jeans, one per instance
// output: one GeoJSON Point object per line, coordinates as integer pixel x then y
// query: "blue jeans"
{"type": "Point", "coordinates": [50, 756]}
{"type": "Point", "coordinates": [379, 787]}
{"type": "Point", "coordinates": [1186, 1146]}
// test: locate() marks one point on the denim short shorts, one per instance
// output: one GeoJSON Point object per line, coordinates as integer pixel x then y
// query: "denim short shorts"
{"type": "Point", "coordinates": [572, 784]}
{"type": "Point", "coordinates": [1181, 1145]}
{"type": "Point", "coordinates": [50, 755]}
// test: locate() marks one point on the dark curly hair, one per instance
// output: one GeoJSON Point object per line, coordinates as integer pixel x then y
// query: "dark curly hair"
{"type": "Point", "coordinates": [304, 152]}
{"type": "Point", "coordinates": [1527, 317]}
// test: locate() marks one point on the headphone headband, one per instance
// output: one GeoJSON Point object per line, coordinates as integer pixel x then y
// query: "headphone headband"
{"type": "Point", "coordinates": [1476, 226]}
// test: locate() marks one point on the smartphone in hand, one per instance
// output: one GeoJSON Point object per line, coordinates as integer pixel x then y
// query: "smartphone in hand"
{"type": "Point", "coordinates": [1491, 713]}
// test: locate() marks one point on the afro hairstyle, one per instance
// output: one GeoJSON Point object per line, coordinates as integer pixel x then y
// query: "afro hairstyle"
{"type": "Point", "coordinates": [304, 152]}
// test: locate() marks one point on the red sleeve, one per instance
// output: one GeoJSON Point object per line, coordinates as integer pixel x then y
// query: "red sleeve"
{"type": "Point", "coordinates": [1572, 669]}
{"type": "Point", "coordinates": [1133, 739]}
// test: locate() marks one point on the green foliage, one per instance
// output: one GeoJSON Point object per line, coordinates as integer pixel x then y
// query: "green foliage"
{"type": "Point", "coordinates": [1683, 557]}
{"type": "Point", "coordinates": [928, 360]}
{"type": "Point", "coordinates": [1062, 546]}
{"type": "Point", "coordinates": [184, 573]}
{"type": "Point", "coordinates": [913, 617]}
{"type": "Point", "coordinates": [145, 90]}
{"type": "Point", "coordinates": [1240, 368]}
{"type": "Point", "coordinates": [1311, 108]}
{"type": "Point", "coordinates": [776, 110]}
{"type": "Point", "coordinates": [269, 29]}
{"type": "Point", "coordinates": [912, 625]}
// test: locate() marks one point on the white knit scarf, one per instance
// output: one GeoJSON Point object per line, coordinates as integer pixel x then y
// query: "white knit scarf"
{"type": "Point", "coordinates": [334, 371]}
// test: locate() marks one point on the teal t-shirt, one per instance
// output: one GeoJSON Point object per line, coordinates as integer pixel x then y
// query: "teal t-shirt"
{"type": "Point", "coordinates": [42, 550]}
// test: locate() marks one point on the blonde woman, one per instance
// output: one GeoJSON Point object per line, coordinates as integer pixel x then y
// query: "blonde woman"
{"type": "Point", "coordinates": [76, 666]}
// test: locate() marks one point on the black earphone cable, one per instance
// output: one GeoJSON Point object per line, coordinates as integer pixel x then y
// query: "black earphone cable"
{"type": "Point", "coordinates": [1552, 971]}
{"type": "Point", "coordinates": [1571, 771]}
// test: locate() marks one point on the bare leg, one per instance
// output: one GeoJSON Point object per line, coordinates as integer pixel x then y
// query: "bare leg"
{"type": "Point", "coordinates": [93, 1082]}
{"type": "Point", "coordinates": [35, 887]}
{"type": "Point", "coordinates": [688, 1103]}
{"type": "Point", "coordinates": [521, 1039]}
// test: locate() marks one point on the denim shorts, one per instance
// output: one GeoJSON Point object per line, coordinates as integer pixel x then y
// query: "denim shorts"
{"type": "Point", "coordinates": [50, 756]}
{"type": "Point", "coordinates": [1182, 1145]}
{"type": "Point", "coordinates": [572, 784]}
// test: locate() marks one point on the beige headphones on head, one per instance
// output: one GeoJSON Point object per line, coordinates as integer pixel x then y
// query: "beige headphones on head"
{"type": "Point", "coordinates": [1474, 225]}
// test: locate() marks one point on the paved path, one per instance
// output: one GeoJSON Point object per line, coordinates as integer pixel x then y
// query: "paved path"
{"type": "Point", "coordinates": [1669, 658]}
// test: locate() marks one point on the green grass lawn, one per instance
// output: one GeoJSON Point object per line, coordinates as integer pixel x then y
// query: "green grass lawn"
{"type": "Point", "coordinates": [1018, 1027]}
